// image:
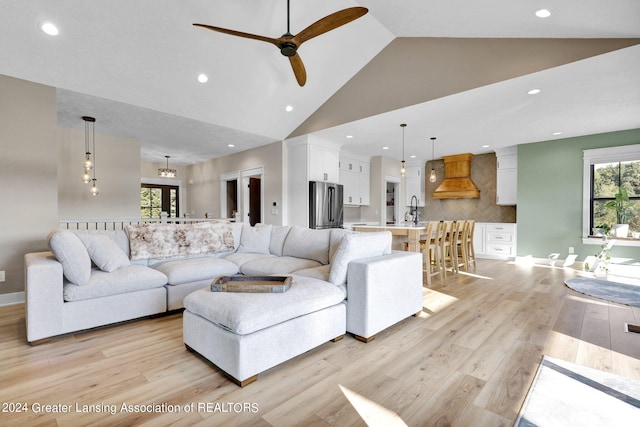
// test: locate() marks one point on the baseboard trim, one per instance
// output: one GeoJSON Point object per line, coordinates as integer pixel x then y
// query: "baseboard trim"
{"type": "Point", "coordinates": [12, 299]}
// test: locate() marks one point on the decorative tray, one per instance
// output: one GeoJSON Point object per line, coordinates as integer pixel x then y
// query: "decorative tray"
{"type": "Point", "coordinates": [263, 284]}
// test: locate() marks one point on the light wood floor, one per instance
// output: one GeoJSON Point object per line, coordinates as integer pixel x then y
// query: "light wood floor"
{"type": "Point", "coordinates": [468, 360]}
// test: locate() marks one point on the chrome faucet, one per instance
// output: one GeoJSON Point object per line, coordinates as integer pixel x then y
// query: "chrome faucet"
{"type": "Point", "coordinates": [414, 211]}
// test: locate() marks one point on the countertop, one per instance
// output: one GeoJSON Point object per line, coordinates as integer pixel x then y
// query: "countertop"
{"type": "Point", "coordinates": [398, 226]}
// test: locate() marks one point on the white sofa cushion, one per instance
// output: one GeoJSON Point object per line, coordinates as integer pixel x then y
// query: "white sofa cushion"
{"type": "Point", "coordinates": [244, 313]}
{"type": "Point", "coordinates": [71, 253]}
{"type": "Point", "coordinates": [278, 236]}
{"type": "Point", "coordinates": [121, 281]}
{"type": "Point", "coordinates": [335, 239]}
{"type": "Point", "coordinates": [255, 239]}
{"type": "Point", "coordinates": [307, 243]}
{"type": "Point", "coordinates": [357, 246]}
{"type": "Point", "coordinates": [240, 258]}
{"type": "Point", "coordinates": [194, 269]}
{"type": "Point", "coordinates": [104, 252]}
{"type": "Point", "coordinates": [320, 273]}
{"type": "Point", "coordinates": [277, 265]}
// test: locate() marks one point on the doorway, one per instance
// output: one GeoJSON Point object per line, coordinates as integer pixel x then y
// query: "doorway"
{"type": "Point", "coordinates": [391, 209]}
{"type": "Point", "coordinates": [232, 198]}
{"type": "Point", "coordinates": [241, 195]}
{"type": "Point", "coordinates": [255, 200]}
{"type": "Point", "coordinates": [155, 198]}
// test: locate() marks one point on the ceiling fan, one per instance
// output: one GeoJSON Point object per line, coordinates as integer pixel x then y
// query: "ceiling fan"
{"type": "Point", "coordinates": [289, 43]}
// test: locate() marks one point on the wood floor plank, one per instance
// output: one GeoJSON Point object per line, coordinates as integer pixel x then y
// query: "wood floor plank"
{"type": "Point", "coordinates": [467, 360]}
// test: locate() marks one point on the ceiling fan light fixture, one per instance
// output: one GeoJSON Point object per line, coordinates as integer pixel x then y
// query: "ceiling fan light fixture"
{"type": "Point", "coordinates": [289, 43]}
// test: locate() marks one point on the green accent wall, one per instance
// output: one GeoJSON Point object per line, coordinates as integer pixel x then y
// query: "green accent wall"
{"type": "Point", "coordinates": [549, 213]}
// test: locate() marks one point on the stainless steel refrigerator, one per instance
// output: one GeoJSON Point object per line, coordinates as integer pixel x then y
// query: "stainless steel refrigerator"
{"type": "Point", "coordinates": [325, 205]}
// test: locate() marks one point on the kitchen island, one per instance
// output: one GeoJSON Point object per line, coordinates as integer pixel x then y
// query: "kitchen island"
{"type": "Point", "coordinates": [410, 231]}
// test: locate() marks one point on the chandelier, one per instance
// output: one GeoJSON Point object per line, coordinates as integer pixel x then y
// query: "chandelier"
{"type": "Point", "coordinates": [166, 172]}
{"type": "Point", "coordinates": [89, 175]}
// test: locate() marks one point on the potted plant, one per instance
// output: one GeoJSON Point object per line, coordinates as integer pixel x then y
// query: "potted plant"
{"type": "Point", "coordinates": [620, 206]}
{"type": "Point", "coordinates": [601, 230]}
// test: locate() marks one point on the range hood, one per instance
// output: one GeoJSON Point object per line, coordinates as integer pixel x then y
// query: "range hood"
{"type": "Point", "coordinates": [457, 182]}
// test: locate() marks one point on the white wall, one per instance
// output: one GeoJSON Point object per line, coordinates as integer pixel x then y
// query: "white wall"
{"type": "Point", "coordinates": [28, 168]}
{"type": "Point", "coordinates": [380, 167]}
{"type": "Point", "coordinates": [117, 164]}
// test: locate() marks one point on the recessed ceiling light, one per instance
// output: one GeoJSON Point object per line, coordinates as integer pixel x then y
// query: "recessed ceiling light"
{"type": "Point", "coordinates": [49, 28]}
{"type": "Point", "coordinates": [543, 13]}
{"type": "Point", "coordinates": [288, 108]}
{"type": "Point", "coordinates": [485, 146]}
{"type": "Point", "coordinates": [534, 91]}
{"type": "Point", "coordinates": [202, 78]}
{"type": "Point", "coordinates": [349, 136]}
{"type": "Point", "coordinates": [557, 133]}
{"type": "Point", "coordinates": [385, 148]}
{"type": "Point", "coordinates": [412, 157]}
{"type": "Point", "coordinates": [230, 145]}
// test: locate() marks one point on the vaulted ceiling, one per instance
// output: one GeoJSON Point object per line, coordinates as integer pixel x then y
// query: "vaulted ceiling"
{"type": "Point", "coordinates": [458, 70]}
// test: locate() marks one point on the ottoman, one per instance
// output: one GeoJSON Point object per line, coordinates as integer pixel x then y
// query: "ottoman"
{"type": "Point", "coordinates": [244, 334]}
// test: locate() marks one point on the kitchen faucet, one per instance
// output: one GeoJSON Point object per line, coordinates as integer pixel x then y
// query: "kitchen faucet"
{"type": "Point", "coordinates": [414, 211]}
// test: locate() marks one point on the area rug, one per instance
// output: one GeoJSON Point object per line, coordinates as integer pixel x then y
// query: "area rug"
{"type": "Point", "coordinates": [565, 394]}
{"type": "Point", "coordinates": [621, 293]}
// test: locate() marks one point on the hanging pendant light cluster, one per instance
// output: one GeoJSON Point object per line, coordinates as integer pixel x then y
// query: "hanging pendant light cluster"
{"type": "Point", "coordinates": [166, 172]}
{"type": "Point", "coordinates": [89, 175]}
{"type": "Point", "coordinates": [403, 164]}
{"type": "Point", "coordinates": [432, 176]}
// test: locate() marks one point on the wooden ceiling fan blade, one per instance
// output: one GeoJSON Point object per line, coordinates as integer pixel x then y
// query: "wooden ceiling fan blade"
{"type": "Point", "coordinates": [328, 23]}
{"type": "Point", "coordinates": [298, 69]}
{"type": "Point", "coordinates": [275, 42]}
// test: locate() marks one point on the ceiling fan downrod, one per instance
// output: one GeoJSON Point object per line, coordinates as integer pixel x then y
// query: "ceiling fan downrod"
{"type": "Point", "coordinates": [288, 48]}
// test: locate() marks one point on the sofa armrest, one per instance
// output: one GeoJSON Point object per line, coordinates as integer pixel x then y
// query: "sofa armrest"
{"type": "Point", "coordinates": [43, 295]}
{"type": "Point", "coordinates": [381, 291]}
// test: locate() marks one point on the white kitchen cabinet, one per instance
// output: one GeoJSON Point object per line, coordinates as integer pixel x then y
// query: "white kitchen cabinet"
{"type": "Point", "coordinates": [495, 240]}
{"type": "Point", "coordinates": [507, 176]}
{"type": "Point", "coordinates": [414, 181]}
{"type": "Point", "coordinates": [354, 176]}
{"type": "Point", "coordinates": [323, 164]}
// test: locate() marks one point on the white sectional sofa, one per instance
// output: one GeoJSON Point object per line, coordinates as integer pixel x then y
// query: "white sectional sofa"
{"type": "Point", "coordinates": [342, 281]}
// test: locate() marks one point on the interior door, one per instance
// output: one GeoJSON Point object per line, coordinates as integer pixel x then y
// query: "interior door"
{"type": "Point", "coordinates": [255, 201]}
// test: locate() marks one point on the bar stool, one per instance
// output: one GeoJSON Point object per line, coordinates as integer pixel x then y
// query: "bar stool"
{"type": "Point", "coordinates": [429, 253]}
{"type": "Point", "coordinates": [458, 245]}
{"type": "Point", "coordinates": [444, 246]}
{"type": "Point", "coordinates": [471, 253]}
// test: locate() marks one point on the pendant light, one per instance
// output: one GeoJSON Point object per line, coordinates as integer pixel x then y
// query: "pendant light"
{"type": "Point", "coordinates": [89, 136]}
{"type": "Point", "coordinates": [403, 164]}
{"type": "Point", "coordinates": [166, 172]}
{"type": "Point", "coordinates": [432, 176]}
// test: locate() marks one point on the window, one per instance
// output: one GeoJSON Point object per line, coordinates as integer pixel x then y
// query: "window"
{"type": "Point", "coordinates": [606, 180]}
{"type": "Point", "coordinates": [155, 199]}
{"type": "Point", "coordinates": [607, 170]}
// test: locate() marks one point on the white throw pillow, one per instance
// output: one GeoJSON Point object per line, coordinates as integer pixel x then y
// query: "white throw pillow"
{"type": "Point", "coordinates": [255, 239]}
{"type": "Point", "coordinates": [104, 252]}
{"type": "Point", "coordinates": [357, 246]}
{"type": "Point", "coordinates": [71, 253]}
